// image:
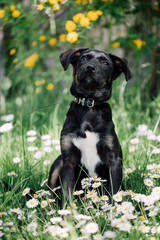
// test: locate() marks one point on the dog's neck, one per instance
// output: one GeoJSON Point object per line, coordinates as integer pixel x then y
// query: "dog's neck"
{"type": "Point", "coordinates": [98, 96]}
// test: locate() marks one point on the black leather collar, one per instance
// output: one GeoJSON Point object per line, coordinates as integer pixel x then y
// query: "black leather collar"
{"type": "Point", "coordinates": [87, 102]}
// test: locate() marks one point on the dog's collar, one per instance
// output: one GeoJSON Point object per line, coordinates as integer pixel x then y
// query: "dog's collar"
{"type": "Point", "coordinates": [87, 102]}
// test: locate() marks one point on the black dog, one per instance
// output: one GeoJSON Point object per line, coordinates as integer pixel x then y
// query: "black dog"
{"type": "Point", "coordinates": [89, 144]}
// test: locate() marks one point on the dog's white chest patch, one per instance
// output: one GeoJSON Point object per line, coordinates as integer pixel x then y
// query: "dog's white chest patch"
{"type": "Point", "coordinates": [88, 148]}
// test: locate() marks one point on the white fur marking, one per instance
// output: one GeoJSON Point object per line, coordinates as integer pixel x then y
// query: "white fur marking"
{"type": "Point", "coordinates": [88, 149]}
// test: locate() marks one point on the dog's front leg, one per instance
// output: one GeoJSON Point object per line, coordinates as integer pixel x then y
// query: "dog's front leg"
{"type": "Point", "coordinates": [115, 175]}
{"type": "Point", "coordinates": [71, 158]}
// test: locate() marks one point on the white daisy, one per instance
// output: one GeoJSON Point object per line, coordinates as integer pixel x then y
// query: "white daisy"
{"type": "Point", "coordinates": [56, 220]}
{"type": "Point", "coordinates": [44, 203]}
{"type": "Point", "coordinates": [32, 149]}
{"type": "Point", "coordinates": [126, 226]}
{"type": "Point", "coordinates": [142, 130]}
{"type": "Point", "coordinates": [55, 142]}
{"type": "Point", "coordinates": [53, 230]}
{"type": "Point", "coordinates": [7, 118]}
{"type": "Point", "coordinates": [134, 141]}
{"type": "Point", "coordinates": [45, 137]}
{"type": "Point", "coordinates": [95, 198]}
{"type": "Point", "coordinates": [82, 217]}
{"type": "Point", "coordinates": [31, 139]}
{"type": "Point", "coordinates": [148, 182]}
{"type": "Point", "coordinates": [98, 236]}
{"type": "Point", "coordinates": [96, 184]}
{"type": "Point", "coordinates": [47, 142]}
{"type": "Point", "coordinates": [46, 162]}
{"type": "Point", "coordinates": [32, 203]}
{"type": "Point", "coordinates": [31, 133]}
{"type": "Point", "coordinates": [91, 227]}
{"type": "Point", "coordinates": [78, 192]}
{"type": "Point", "coordinates": [152, 137]}
{"type": "Point", "coordinates": [105, 198]}
{"type": "Point", "coordinates": [128, 171]}
{"type": "Point", "coordinates": [132, 148]}
{"type": "Point", "coordinates": [48, 149]}
{"type": "Point", "coordinates": [109, 234]}
{"type": "Point", "coordinates": [156, 190]}
{"type": "Point", "coordinates": [58, 148]}
{"type": "Point", "coordinates": [7, 127]}
{"type": "Point", "coordinates": [144, 229]}
{"type": "Point", "coordinates": [16, 160]}
{"type": "Point", "coordinates": [90, 194]}
{"type": "Point", "coordinates": [38, 155]}
{"type": "Point", "coordinates": [25, 191]}
{"type": "Point", "coordinates": [31, 227]}
{"type": "Point", "coordinates": [12, 174]}
{"type": "Point", "coordinates": [117, 197]}
{"type": "Point", "coordinates": [64, 212]}
{"type": "Point", "coordinates": [155, 151]}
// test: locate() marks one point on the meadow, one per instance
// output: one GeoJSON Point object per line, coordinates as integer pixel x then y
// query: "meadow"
{"type": "Point", "coordinates": [34, 100]}
{"type": "Point", "coordinates": [29, 135]}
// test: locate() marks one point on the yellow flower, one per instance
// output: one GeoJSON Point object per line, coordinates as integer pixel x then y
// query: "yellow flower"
{"type": "Point", "coordinates": [42, 82]}
{"type": "Point", "coordinates": [107, 1]}
{"type": "Point", "coordinates": [116, 45]}
{"type": "Point", "coordinates": [52, 2]}
{"type": "Point", "coordinates": [6, 19]}
{"type": "Point", "coordinates": [30, 62]}
{"type": "Point", "coordinates": [40, 7]}
{"type": "Point", "coordinates": [70, 26]}
{"type": "Point", "coordinates": [55, 7]}
{"type": "Point", "coordinates": [12, 51]}
{"type": "Point", "coordinates": [2, 12]}
{"type": "Point", "coordinates": [34, 43]}
{"type": "Point", "coordinates": [92, 15]}
{"type": "Point", "coordinates": [15, 60]}
{"type": "Point", "coordinates": [38, 89]}
{"type": "Point", "coordinates": [99, 13]}
{"type": "Point", "coordinates": [142, 218]}
{"type": "Point", "coordinates": [50, 86]}
{"type": "Point", "coordinates": [77, 17]}
{"type": "Point", "coordinates": [37, 83]}
{"type": "Point", "coordinates": [72, 37]}
{"type": "Point", "coordinates": [42, 38]}
{"type": "Point", "coordinates": [84, 22]}
{"type": "Point", "coordinates": [62, 38]}
{"type": "Point", "coordinates": [12, 8]}
{"type": "Point", "coordinates": [139, 43]}
{"type": "Point", "coordinates": [52, 41]}
{"type": "Point", "coordinates": [16, 13]}
{"type": "Point", "coordinates": [81, 1]}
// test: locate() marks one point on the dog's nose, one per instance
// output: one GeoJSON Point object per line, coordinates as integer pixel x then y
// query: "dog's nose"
{"type": "Point", "coordinates": [90, 67]}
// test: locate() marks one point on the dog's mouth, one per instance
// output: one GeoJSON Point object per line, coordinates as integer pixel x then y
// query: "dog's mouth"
{"type": "Point", "coordinates": [90, 80]}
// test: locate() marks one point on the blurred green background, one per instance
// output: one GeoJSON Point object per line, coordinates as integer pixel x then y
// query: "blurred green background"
{"type": "Point", "coordinates": [33, 34]}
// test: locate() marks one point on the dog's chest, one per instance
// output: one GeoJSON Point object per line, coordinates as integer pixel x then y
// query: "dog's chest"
{"type": "Point", "coordinates": [88, 148]}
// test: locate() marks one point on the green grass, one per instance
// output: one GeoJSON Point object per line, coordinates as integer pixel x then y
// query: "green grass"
{"type": "Point", "coordinates": [45, 112]}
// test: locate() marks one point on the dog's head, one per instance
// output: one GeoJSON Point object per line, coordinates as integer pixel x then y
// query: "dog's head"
{"type": "Point", "coordinates": [94, 72]}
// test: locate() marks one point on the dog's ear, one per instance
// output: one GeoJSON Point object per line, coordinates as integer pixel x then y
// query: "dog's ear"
{"type": "Point", "coordinates": [67, 57]}
{"type": "Point", "coordinates": [120, 66]}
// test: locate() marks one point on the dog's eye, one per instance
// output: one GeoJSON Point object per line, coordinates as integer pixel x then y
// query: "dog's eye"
{"type": "Point", "coordinates": [83, 59]}
{"type": "Point", "coordinates": [105, 62]}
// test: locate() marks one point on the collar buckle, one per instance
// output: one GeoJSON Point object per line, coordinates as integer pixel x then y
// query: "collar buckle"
{"type": "Point", "coordinates": [90, 102]}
